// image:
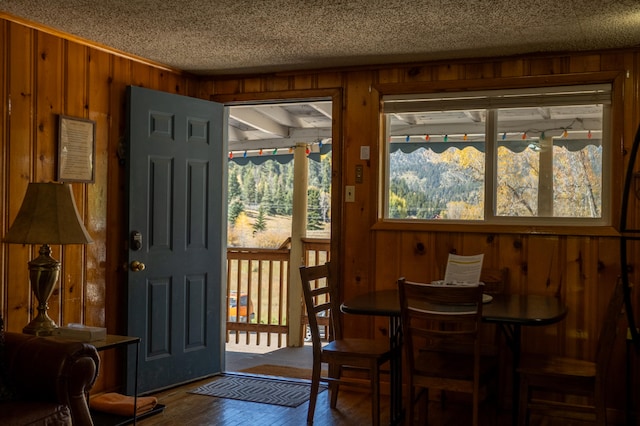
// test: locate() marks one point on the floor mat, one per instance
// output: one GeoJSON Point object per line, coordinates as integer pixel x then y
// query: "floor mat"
{"type": "Point", "coordinates": [282, 371]}
{"type": "Point", "coordinates": [266, 390]}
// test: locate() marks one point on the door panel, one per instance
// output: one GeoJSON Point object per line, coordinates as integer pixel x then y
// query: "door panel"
{"type": "Point", "coordinates": [176, 170]}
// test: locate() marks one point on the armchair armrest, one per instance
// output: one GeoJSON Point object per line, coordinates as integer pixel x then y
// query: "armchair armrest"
{"type": "Point", "coordinates": [45, 369]}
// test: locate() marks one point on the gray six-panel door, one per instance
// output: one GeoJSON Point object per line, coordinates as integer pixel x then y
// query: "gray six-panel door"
{"type": "Point", "coordinates": [176, 170]}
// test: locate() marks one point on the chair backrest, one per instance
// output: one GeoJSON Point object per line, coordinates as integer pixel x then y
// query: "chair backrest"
{"type": "Point", "coordinates": [608, 331]}
{"type": "Point", "coordinates": [495, 280]}
{"type": "Point", "coordinates": [320, 298]}
{"type": "Point", "coordinates": [440, 314]}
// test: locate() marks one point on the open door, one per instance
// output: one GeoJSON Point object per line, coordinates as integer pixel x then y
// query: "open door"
{"type": "Point", "coordinates": [176, 174]}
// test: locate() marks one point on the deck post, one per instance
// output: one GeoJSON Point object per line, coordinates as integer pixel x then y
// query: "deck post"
{"type": "Point", "coordinates": [298, 232]}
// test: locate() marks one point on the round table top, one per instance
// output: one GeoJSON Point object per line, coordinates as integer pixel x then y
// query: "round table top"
{"type": "Point", "coordinates": [505, 308]}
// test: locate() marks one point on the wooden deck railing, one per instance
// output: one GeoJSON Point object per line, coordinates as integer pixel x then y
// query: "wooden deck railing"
{"type": "Point", "coordinates": [262, 275]}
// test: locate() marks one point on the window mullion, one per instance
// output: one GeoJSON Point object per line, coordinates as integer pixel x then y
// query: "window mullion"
{"type": "Point", "coordinates": [490, 161]}
{"type": "Point", "coordinates": [545, 177]}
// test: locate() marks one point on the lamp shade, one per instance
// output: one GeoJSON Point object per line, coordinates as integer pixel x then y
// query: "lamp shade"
{"type": "Point", "coordinates": [48, 215]}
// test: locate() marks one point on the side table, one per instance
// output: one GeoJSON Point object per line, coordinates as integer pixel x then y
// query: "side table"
{"type": "Point", "coordinates": [114, 341]}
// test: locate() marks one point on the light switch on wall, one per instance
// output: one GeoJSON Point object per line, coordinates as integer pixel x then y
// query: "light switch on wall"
{"type": "Point", "coordinates": [350, 194]}
{"type": "Point", "coordinates": [365, 152]}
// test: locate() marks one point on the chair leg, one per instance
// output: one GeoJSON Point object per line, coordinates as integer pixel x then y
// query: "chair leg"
{"type": "Point", "coordinates": [315, 384]}
{"type": "Point", "coordinates": [414, 400]}
{"type": "Point", "coordinates": [476, 403]}
{"type": "Point", "coordinates": [600, 408]}
{"type": "Point", "coordinates": [523, 405]}
{"type": "Point", "coordinates": [375, 394]}
{"type": "Point", "coordinates": [334, 373]}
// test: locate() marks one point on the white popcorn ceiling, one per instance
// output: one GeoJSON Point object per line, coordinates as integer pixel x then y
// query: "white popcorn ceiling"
{"type": "Point", "coordinates": [231, 37]}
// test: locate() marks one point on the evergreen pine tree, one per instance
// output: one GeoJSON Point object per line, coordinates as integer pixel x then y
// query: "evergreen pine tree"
{"type": "Point", "coordinates": [260, 223]}
{"type": "Point", "coordinates": [314, 216]}
{"type": "Point", "coordinates": [235, 208]}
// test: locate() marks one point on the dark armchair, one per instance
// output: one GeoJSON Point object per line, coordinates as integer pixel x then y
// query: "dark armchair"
{"type": "Point", "coordinates": [50, 381]}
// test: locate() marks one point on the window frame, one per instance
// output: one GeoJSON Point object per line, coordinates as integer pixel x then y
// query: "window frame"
{"type": "Point", "coordinates": [612, 158]}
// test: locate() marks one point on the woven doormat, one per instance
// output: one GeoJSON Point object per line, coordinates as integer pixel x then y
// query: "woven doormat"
{"type": "Point", "coordinates": [282, 371]}
{"type": "Point", "coordinates": [266, 390]}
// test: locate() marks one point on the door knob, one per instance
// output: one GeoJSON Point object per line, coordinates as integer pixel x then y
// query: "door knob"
{"type": "Point", "coordinates": [137, 266]}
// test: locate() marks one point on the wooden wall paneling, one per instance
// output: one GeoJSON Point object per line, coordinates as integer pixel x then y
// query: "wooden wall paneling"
{"type": "Point", "coordinates": [510, 68]}
{"type": "Point", "coordinates": [253, 85]}
{"type": "Point", "coordinates": [421, 73]}
{"type": "Point", "coordinates": [116, 219]}
{"type": "Point", "coordinates": [585, 63]}
{"type": "Point", "coordinates": [221, 87]}
{"type": "Point", "coordinates": [49, 98]}
{"type": "Point", "coordinates": [4, 118]}
{"type": "Point", "coordinates": [608, 273]}
{"type": "Point", "coordinates": [445, 243]}
{"type": "Point", "coordinates": [100, 75]}
{"type": "Point", "coordinates": [616, 60]}
{"type": "Point", "coordinates": [140, 75]}
{"type": "Point", "coordinates": [391, 263]}
{"type": "Point", "coordinates": [580, 292]}
{"type": "Point", "coordinates": [115, 284]}
{"type": "Point", "coordinates": [486, 244]}
{"type": "Point", "coordinates": [434, 272]}
{"type": "Point", "coordinates": [273, 83]}
{"type": "Point", "coordinates": [478, 70]}
{"type": "Point", "coordinates": [20, 153]}
{"type": "Point", "coordinates": [304, 81]}
{"type": "Point", "coordinates": [510, 256]}
{"type": "Point", "coordinates": [99, 78]}
{"type": "Point", "coordinates": [415, 260]}
{"type": "Point", "coordinates": [278, 83]}
{"type": "Point", "coordinates": [542, 258]}
{"type": "Point", "coordinates": [167, 81]}
{"type": "Point", "coordinates": [548, 65]}
{"type": "Point", "coordinates": [542, 261]}
{"type": "Point", "coordinates": [357, 238]}
{"type": "Point", "coordinates": [389, 266]}
{"type": "Point", "coordinates": [76, 92]}
{"type": "Point", "coordinates": [449, 71]}
{"type": "Point", "coordinates": [388, 75]}
{"type": "Point", "coordinates": [330, 80]}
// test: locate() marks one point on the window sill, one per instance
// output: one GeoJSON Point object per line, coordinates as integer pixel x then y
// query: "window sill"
{"type": "Point", "coordinates": [587, 231]}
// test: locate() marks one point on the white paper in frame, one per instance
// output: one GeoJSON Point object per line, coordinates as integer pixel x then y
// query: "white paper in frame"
{"type": "Point", "coordinates": [76, 149]}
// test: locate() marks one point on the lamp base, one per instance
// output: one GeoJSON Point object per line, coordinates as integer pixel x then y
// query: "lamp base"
{"type": "Point", "coordinates": [40, 326]}
{"type": "Point", "coordinates": [43, 274]}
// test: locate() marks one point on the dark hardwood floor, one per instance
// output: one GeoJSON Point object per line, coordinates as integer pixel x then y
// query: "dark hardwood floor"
{"type": "Point", "coordinates": [183, 408]}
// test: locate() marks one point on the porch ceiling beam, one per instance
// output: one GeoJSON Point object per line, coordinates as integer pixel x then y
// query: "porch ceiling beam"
{"type": "Point", "coordinates": [282, 116]}
{"type": "Point", "coordinates": [297, 136]}
{"type": "Point", "coordinates": [323, 108]}
{"type": "Point", "coordinates": [259, 121]}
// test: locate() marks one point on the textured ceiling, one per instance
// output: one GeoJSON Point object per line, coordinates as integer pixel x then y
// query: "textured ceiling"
{"type": "Point", "coordinates": [217, 37]}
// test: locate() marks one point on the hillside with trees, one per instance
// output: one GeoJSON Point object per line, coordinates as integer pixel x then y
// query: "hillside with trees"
{"type": "Point", "coordinates": [260, 199]}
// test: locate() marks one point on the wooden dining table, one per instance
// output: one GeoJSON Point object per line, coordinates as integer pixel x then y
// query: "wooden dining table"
{"type": "Point", "coordinates": [509, 311]}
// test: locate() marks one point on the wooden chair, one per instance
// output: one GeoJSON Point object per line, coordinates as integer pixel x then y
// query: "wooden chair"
{"type": "Point", "coordinates": [369, 354]}
{"type": "Point", "coordinates": [579, 379]}
{"type": "Point", "coordinates": [495, 280]}
{"type": "Point", "coordinates": [437, 315]}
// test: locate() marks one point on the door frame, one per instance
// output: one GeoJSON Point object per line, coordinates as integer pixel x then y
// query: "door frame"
{"type": "Point", "coordinates": [337, 149]}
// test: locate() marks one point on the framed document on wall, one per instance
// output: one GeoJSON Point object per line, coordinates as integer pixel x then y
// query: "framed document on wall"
{"type": "Point", "coordinates": [76, 149]}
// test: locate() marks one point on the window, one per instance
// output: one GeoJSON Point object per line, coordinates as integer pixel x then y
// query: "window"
{"type": "Point", "coordinates": [520, 156]}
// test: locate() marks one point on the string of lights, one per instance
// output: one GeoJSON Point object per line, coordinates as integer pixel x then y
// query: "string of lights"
{"type": "Point", "coordinates": [312, 147]}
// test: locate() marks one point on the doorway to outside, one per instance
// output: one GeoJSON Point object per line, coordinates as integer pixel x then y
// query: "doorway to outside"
{"type": "Point", "coordinates": [279, 209]}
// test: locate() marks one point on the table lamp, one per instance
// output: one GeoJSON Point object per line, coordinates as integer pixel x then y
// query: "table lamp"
{"type": "Point", "coordinates": [48, 215]}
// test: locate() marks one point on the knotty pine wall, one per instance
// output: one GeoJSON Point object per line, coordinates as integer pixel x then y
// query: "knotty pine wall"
{"type": "Point", "coordinates": [569, 263]}
{"type": "Point", "coordinates": [44, 74]}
